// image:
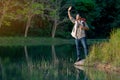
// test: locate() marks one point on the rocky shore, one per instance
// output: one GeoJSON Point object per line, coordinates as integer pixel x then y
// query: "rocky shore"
{"type": "Point", "coordinates": [105, 67]}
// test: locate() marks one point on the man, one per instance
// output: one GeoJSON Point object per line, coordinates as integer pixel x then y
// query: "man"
{"type": "Point", "coordinates": [78, 33]}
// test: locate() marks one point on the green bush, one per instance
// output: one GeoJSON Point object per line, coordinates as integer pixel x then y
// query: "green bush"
{"type": "Point", "coordinates": [107, 52]}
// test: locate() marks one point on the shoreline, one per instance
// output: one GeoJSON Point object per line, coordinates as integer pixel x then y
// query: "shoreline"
{"type": "Point", "coordinates": [107, 67]}
{"type": "Point", "coordinates": [99, 66]}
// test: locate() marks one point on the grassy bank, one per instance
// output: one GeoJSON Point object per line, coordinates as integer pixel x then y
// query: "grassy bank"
{"type": "Point", "coordinates": [34, 41]}
{"type": "Point", "coordinates": [31, 41]}
{"type": "Point", "coordinates": [107, 53]}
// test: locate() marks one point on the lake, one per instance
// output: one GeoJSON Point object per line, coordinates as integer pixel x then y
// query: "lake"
{"type": "Point", "coordinates": [46, 62]}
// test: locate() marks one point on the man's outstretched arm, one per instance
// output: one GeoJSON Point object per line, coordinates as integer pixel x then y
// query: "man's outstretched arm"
{"type": "Point", "coordinates": [69, 15]}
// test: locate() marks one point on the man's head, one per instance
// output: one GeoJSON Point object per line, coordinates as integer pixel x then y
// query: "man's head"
{"type": "Point", "coordinates": [78, 17]}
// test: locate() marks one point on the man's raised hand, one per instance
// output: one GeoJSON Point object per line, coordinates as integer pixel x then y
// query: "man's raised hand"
{"type": "Point", "coordinates": [69, 8]}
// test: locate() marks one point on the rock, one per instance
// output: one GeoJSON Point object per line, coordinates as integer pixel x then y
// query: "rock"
{"type": "Point", "coordinates": [79, 67]}
{"type": "Point", "coordinates": [80, 63]}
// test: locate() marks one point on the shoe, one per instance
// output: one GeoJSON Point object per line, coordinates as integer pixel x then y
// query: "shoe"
{"type": "Point", "coordinates": [78, 59]}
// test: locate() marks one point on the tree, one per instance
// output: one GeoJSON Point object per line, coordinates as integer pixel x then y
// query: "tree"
{"type": "Point", "coordinates": [6, 11]}
{"type": "Point", "coordinates": [108, 19]}
{"type": "Point", "coordinates": [28, 11]}
{"type": "Point", "coordinates": [53, 8]}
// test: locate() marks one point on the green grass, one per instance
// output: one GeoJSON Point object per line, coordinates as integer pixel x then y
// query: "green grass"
{"type": "Point", "coordinates": [106, 52]}
{"type": "Point", "coordinates": [34, 41]}
{"type": "Point", "coordinates": [30, 41]}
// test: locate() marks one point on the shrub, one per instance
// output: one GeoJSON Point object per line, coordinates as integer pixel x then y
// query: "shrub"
{"type": "Point", "coordinates": [107, 52]}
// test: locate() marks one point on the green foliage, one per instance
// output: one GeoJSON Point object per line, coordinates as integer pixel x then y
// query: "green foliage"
{"type": "Point", "coordinates": [53, 12]}
{"type": "Point", "coordinates": [85, 5]}
{"type": "Point", "coordinates": [30, 8]}
{"type": "Point", "coordinates": [101, 15]}
{"type": "Point", "coordinates": [6, 12]}
{"type": "Point", "coordinates": [38, 8]}
{"type": "Point", "coordinates": [6, 23]}
{"type": "Point", "coordinates": [88, 9]}
{"type": "Point", "coordinates": [107, 52]}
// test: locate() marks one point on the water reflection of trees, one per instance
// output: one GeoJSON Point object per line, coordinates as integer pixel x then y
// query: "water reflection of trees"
{"type": "Point", "coordinates": [81, 75]}
{"type": "Point", "coordinates": [2, 71]}
{"type": "Point", "coordinates": [54, 57]}
{"type": "Point", "coordinates": [42, 69]}
{"type": "Point", "coordinates": [28, 60]}
{"type": "Point", "coordinates": [94, 74]}
{"type": "Point", "coordinates": [54, 69]}
{"type": "Point", "coordinates": [86, 73]}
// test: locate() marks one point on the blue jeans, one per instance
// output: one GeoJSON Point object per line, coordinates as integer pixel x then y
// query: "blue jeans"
{"type": "Point", "coordinates": [84, 44]}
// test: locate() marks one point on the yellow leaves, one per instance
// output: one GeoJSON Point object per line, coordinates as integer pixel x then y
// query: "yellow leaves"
{"type": "Point", "coordinates": [6, 23]}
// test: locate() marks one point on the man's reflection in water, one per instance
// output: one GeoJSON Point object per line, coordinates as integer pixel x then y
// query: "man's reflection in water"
{"type": "Point", "coordinates": [81, 75]}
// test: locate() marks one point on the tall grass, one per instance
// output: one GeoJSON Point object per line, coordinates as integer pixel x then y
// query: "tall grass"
{"type": "Point", "coordinates": [106, 52]}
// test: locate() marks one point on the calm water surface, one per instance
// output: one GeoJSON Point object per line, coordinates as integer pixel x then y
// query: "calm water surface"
{"type": "Point", "coordinates": [46, 63]}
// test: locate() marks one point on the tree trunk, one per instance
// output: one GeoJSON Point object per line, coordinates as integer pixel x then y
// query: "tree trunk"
{"type": "Point", "coordinates": [27, 26]}
{"type": "Point", "coordinates": [1, 20]}
{"type": "Point", "coordinates": [54, 28]}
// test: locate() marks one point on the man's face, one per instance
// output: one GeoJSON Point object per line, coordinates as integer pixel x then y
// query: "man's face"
{"type": "Point", "coordinates": [77, 17]}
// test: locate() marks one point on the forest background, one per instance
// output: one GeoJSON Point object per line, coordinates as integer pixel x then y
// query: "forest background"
{"type": "Point", "coordinates": [48, 18]}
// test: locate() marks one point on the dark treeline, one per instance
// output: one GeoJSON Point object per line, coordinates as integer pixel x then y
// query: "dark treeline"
{"type": "Point", "coordinates": [49, 18]}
